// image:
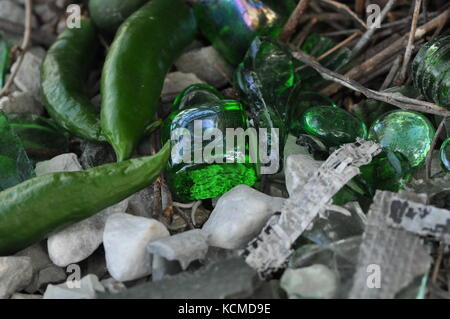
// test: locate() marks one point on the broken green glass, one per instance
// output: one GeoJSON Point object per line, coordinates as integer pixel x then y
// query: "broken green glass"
{"type": "Point", "coordinates": [204, 163]}
{"type": "Point", "coordinates": [231, 25]}
{"type": "Point", "coordinates": [388, 171]}
{"type": "Point", "coordinates": [41, 138]}
{"type": "Point", "coordinates": [445, 155]}
{"type": "Point", "coordinates": [431, 71]}
{"type": "Point", "coordinates": [407, 132]}
{"type": "Point", "coordinates": [15, 167]}
{"type": "Point", "coordinates": [333, 125]}
{"type": "Point", "coordinates": [196, 94]}
{"type": "Point", "coordinates": [4, 60]}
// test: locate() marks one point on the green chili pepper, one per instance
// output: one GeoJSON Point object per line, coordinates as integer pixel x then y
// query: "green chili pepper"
{"type": "Point", "coordinates": [145, 47]}
{"type": "Point", "coordinates": [63, 75]}
{"type": "Point", "coordinates": [108, 15]}
{"type": "Point", "coordinates": [31, 210]}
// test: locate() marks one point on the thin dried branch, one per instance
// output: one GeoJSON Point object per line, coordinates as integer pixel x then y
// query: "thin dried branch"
{"type": "Point", "coordinates": [37, 36]}
{"type": "Point", "coordinates": [394, 48]}
{"type": "Point", "coordinates": [392, 73]}
{"type": "Point", "coordinates": [300, 38]}
{"type": "Point", "coordinates": [293, 21]}
{"type": "Point", "coordinates": [371, 30]}
{"type": "Point", "coordinates": [345, 9]}
{"type": "Point", "coordinates": [23, 47]}
{"type": "Point", "coordinates": [410, 45]}
{"type": "Point", "coordinates": [396, 99]}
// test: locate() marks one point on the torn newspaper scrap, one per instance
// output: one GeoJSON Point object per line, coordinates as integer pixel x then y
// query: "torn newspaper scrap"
{"type": "Point", "coordinates": [389, 258]}
{"type": "Point", "coordinates": [269, 251]}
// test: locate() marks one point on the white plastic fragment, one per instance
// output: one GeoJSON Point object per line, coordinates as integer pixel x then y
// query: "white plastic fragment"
{"type": "Point", "coordinates": [183, 247]}
{"type": "Point", "coordinates": [269, 251]}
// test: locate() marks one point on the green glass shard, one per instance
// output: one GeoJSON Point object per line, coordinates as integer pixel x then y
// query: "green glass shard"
{"type": "Point", "coordinates": [41, 138]}
{"type": "Point", "coordinates": [4, 60]}
{"type": "Point", "coordinates": [15, 167]}
{"type": "Point", "coordinates": [445, 155]}
{"type": "Point", "coordinates": [406, 132]}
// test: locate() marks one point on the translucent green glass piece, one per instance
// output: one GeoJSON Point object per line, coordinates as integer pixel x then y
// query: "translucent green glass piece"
{"type": "Point", "coordinates": [316, 45]}
{"type": "Point", "coordinates": [388, 171]}
{"type": "Point", "coordinates": [193, 178]}
{"type": "Point", "coordinates": [15, 167]}
{"type": "Point", "coordinates": [370, 110]}
{"type": "Point", "coordinates": [333, 125]}
{"type": "Point", "coordinates": [430, 70]}
{"type": "Point", "coordinates": [41, 138]}
{"type": "Point", "coordinates": [303, 101]}
{"type": "Point", "coordinates": [196, 94]}
{"type": "Point", "coordinates": [231, 25]}
{"type": "Point", "coordinates": [445, 155]}
{"type": "Point", "coordinates": [4, 60]}
{"type": "Point", "coordinates": [406, 132]}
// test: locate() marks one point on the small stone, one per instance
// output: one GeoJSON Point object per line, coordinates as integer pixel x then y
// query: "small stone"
{"type": "Point", "coordinates": [38, 255]}
{"type": "Point", "coordinates": [15, 274]}
{"type": "Point", "coordinates": [125, 240]}
{"type": "Point", "coordinates": [113, 286]}
{"type": "Point", "coordinates": [141, 203]}
{"type": "Point", "coordinates": [316, 281]}
{"type": "Point", "coordinates": [175, 82]}
{"type": "Point", "coordinates": [44, 12]}
{"type": "Point", "coordinates": [231, 278]}
{"type": "Point", "coordinates": [61, 163]}
{"type": "Point", "coordinates": [20, 103]}
{"type": "Point", "coordinates": [207, 64]}
{"type": "Point", "coordinates": [239, 216]}
{"type": "Point", "coordinates": [28, 77]}
{"type": "Point", "coordinates": [333, 125]}
{"type": "Point", "coordinates": [79, 241]}
{"type": "Point", "coordinates": [162, 267]}
{"type": "Point", "coordinates": [184, 247]}
{"type": "Point", "coordinates": [11, 11]}
{"type": "Point", "coordinates": [25, 296]}
{"type": "Point", "coordinates": [87, 288]}
{"type": "Point", "coordinates": [95, 154]}
{"type": "Point", "coordinates": [51, 275]}
{"type": "Point", "coordinates": [406, 132]}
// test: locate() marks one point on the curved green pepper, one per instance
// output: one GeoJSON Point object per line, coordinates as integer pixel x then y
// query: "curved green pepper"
{"type": "Point", "coordinates": [31, 210]}
{"type": "Point", "coordinates": [108, 15]}
{"type": "Point", "coordinates": [145, 47]}
{"type": "Point", "coordinates": [63, 75]}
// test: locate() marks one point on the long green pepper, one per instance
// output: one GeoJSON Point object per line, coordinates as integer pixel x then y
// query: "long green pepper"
{"type": "Point", "coordinates": [63, 76]}
{"type": "Point", "coordinates": [31, 210]}
{"type": "Point", "coordinates": [144, 49]}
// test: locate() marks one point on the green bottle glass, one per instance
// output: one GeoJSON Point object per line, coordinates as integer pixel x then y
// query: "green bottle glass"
{"type": "Point", "coordinates": [406, 132]}
{"type": "Point", "coordinates": [196, 94]}
{"type": "Point", "coordinates": [316, 45]}
{"type": "Point", "coordinates": [15, 167]}
{"type": "Point", "coordinates": [333, 125]}
{"type": "Point", "coordinates": [388, 171]}
{"type": "Point", "coordinates": [196, 169]}
{"type": "Point", "coordinates": [231, 25]}
{"type": "Point", "coordinates": [445, 155]}
{"type": "Point", "coordinates": [431, 71]}
{"type": "Point", "coordinates": [41, 137]}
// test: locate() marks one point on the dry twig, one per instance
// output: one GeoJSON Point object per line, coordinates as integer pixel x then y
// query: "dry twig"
{"type": "Point", "coordinates": [293, 21]}
{"type": "Point", "coordinates": [23, 47]}
{"type": "Point", "coordinates": [345, 9]}
{"type": "Point", "coordinates": [433, 145]}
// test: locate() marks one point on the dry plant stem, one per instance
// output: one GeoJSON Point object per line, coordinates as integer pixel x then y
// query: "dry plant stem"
{"type": "Point", "coordinates": [392, 73]}
{"type": "Point", "coordinates": [23, 48]}
{"type": "Point", "coordinates": [37, 36]}
{"type": "Point", "coordinates": [369, 33]}
{"type": "Point", "coordinates": [300, 38]}
{"type": "Point", "coordinates": [194, 212]}
{"type": "Point", "coordinates": [345, 9]}
{"type": "Point", "coordinates": [396, 99]}
{"type": "Point", "coordinates": [395, 47]}
{"type": "Point", "coordinates": [293, 21]}
{"type": "Point", "coordinates": [359, 7]}
{"type": "Point", "coordinates": [410, 45]}
{"type": "Point", "coordinates": [437, 265]}
{"type": "Point", "coordinates": [433, 145]}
